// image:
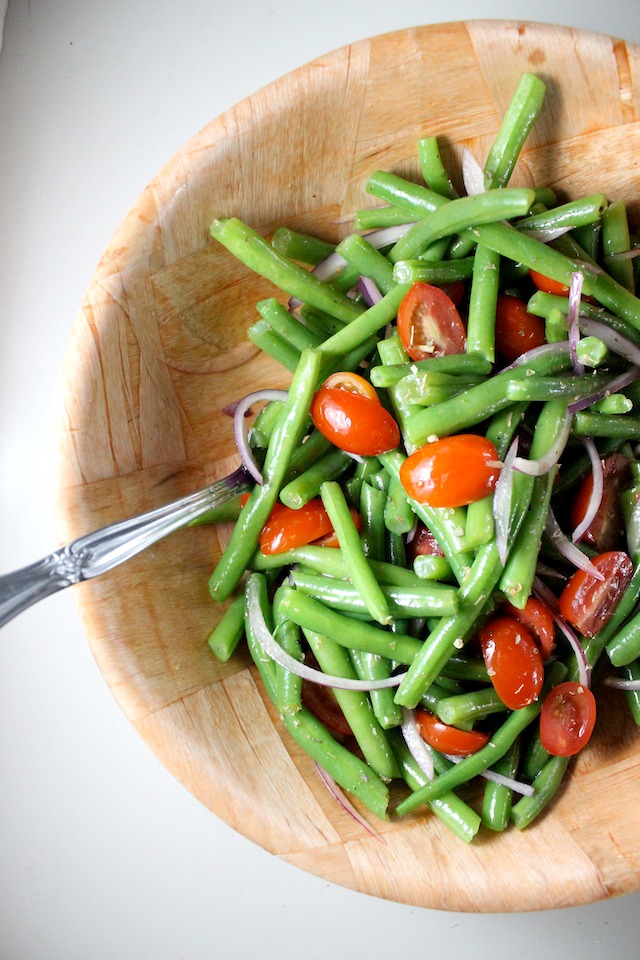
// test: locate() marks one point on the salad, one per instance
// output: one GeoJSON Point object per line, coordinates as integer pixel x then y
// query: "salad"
{"type": "Point", "coordinates": [438, 561]}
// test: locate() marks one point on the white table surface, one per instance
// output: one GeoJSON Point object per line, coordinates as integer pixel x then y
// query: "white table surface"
{"type": "Point", "coordinates": [103, 856]}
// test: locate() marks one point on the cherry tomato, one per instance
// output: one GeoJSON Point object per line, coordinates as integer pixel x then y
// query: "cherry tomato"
{"type": "Point", "coordinates": [321, 701]}
{"type": "Point", "coordinates": [354, 421]}
{"type": "Point", "coordinates": [451, 472]}
{"type": "Point", "coordinates": [447, 739]}
{"type": "Point", "coordinates": [429, 324]}
{"type": "Point", "coordinates": [513, 661]}
{"type": "Point", "coordinates": [423, 543]}
{"type": "Point", "coordinates": [606, 531]}
{"type": "Point", "coordinates": [352, 383]}
{"type": "Point", "coordinates": [517, 330]}
{"type": "Point", "coordinates": [567, 719]}
{"type": "Point", "coordinates": [455, 291]}
{"type": "Point", "coordinates": [547, 285]}
{"type": "Point", "coordinates": [287, 528]}
{"type": "Point", "coordinates": [538, 619]}
{"type": "Point", "coordinates": [587, 603]}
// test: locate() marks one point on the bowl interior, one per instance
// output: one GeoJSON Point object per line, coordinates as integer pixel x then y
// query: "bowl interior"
{"type": "Point", "coordinates": [159, 348]}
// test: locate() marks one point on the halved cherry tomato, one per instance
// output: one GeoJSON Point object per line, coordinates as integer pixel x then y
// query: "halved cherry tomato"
{"type": "Point", "coordinates": [547, 285]}
{"type": "Point", "coordinates": [513, 661]}
{"type": "Point", "coordinates": [352, 383]}
{"type": "Point", "coordinates": [517, 330]}
{"type": "Point", "coordinates": [538, 619]}
{"type": "Point", "coordinates": [455, 291]}
{"type": "Point", "coordinates": [322, 702]}
{"type": "Point", "coordinates": [429, 324]}
{"type": "Point", "coordinates": [567, 719]}
{"type": "Point", "coordinates": [447, 739]}
{"type": "Point", "coordinates": [287, 528]}
{"type": "Point", "coordinates": [423, 543]}
{"type": "Point", "coordinates": [606, 530]}
{"type": "Point", "coordinates": [588, 603]}
{"type": "Point", "coordinates": [451, 472]}
{"type": "Point", "coordinates": [353, 420]}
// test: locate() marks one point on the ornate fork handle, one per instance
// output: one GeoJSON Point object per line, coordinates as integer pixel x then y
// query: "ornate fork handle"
{"type": "Point", "coordinates": [100, 551]}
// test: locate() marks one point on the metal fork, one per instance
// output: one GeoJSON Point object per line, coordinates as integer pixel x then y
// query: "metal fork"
{"type": "Point", "coordinates": [96, 553]}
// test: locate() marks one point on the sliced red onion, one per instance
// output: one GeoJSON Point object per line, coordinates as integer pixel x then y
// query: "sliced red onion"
{"type": "Point", "coordinates": [545, 234]}
{"type": "Point", "coordinates": [584, 669]}
{"type": "Point", "coordinates": [344, 802]}
{"type": "Point", "coordinates": [543, 591]}
{"type": "Point", "coordinates": [516, 785]}
{"type": "Point", "coordinates": [502, 498]}
{"type": "Point", "coordinates": [569, 550]}
{"type": "Point", "coordinates": [329, 267]}
{"type": "Point", "coordinates": [614, 386]}
{"type": "Point", "coordinates": [273, 649]}
{"type": "Point", "coordinates": [387, 235]}
{"type": "Point", "coordinates": [472, 174]}
{"type": "Point", "coordinates": [547, 349]}
{"type": "Point", "coordinates": [537, 468]}
{"type": "Point", "coordinates": [575, 292]}
{"type": "Point", "coordinates": [240, 431]}
{"type": "Point", "coordinates": [544, 570]}
{"type": "Point", "coordinates": [369, 291]}
{"type": "Point", "coordinates": [596, 489]}
{"type": "Point", "coordinates": [615, 341]}
{"type": "Point", "coordinates": [417, 747]}
{"type": "Point", "coordinates": [619, 684]}
{"type": "Point", "coordinates": [624, 254]}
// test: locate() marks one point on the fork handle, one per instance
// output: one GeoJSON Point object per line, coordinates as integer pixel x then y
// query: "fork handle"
{"type": "Point", "coordinates": [24, 587]}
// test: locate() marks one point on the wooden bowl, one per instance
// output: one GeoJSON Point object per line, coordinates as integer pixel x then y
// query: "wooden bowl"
{"type": "Point", "coordinates": [159, 348]}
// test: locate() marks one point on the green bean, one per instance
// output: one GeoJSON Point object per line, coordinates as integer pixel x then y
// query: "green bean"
{"type": "Point", "coordinates": [395, 549]}
{"type": "Point", "coordinates": [221, 514]}
{"type": "Point", "coordinates": [479, 529]}
{"type": "Point", "coordinates": [469, 706]}
{"type": "Point", "coordinates": [469, 767]}
{"type": "Point", "coordinates": [444, 271]}
{"type": "Point", "coordinates": [288, 683]}
{"type": "Point", "coordinates": [356, 706]}
{"type": "Point", "coordinates": [264, 424]}
{"type": "Point", "coordinates": [632, 672]}
{"type": "Point", "coordinates": [286, 437]}
{"type": "Point", "coordinates": [229, 631]}
{"type": "Point", "coordinates": [300, 246]}
{"type": "Point", "coordinates": [391, 350]}
{"type": "Point", "coordinates": [355, 635]}
{"type": "Point", "coordinates": [556, 328]}
{"type": "Point", "coordinates": [534, 758]}
{"type": "Point", "coordinates": [615, 240]}
{"type": "Point", "coordinates": [410, 196]}
{"type": "Point", "coordinates": [377, 218]}
{"type": "Point", "coordinates": [546, 786]}
{"type": "Point", "coordinates": [542, 303]}
{"type": "Point", "coordinates": [254, 251]}
{"type": "Point", "coordinates": [307, 485]}
{"type": "Point", "coordinates": [368, 261]}
{"type": "Point", "coordinates": [575, 213]}
{"type": "Point", "coordinates": [319, 322]}
{"type": "Point", "coordinates": [426, 389]}
{"type": "Point", "coordinates": [473, 364]}
{"type": "Point", "coordinates": [461, 819]}
{"type": "Point", "coordinates": [459, 215]}
{"type": "Point", "coordinates": [306, 454]}
{"type": "Point", "coordinates": [432, 568]}
{"type": "Point", "coordinates": [586, 424]}
{"type": "Point", "coordinates": [362, 575]}
{"type": "Point", "coordinates": [550, 388]}
{"type": "Point", "coordinates": [370, 666]}
{"type": "Point", "coordinates": [467, 669]}
{"type": "Point", "coordinates": [497, 798]}
{"type": "Point", "coordinates": [520, 569]}
{"type": "Point", "coordinates": [274, 345]}
{"type": "Point", "coordinates": [331, 563]}
{"type": "Point", "coordinates": [479, 402]}
{"type": "Point", "coordinates": [482, 303]}
{"type": "Point", "coordinates": [433, 169]}
{"type": "Point", "coordinates": [591, 352]}
{"type": "Point", "coordinates": [398, 515]}
{"type": "Point", "coordinates": [614, 405]}
{"type": "Point", "coordinates": [266, 666]}
{"type": "Point", "coordinates": [433, 599]}
{"type": "Point", "coordinates": [588, 237]}
{"type": "Point", "coordinates": [372, 532]}
{"type": "Point", "coordinates": [518, 119]}
{"type": "Point", "coordinates": [286, 325]}
{"type": "Point", "coordinates": [366, 324]}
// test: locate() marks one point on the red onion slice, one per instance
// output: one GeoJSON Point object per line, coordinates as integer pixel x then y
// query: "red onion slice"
{"type": "Point", "coordinates": [472, 174]}
{"type": "Point", "coordinates": [619, 684]}
{"type": "Point", "coordinates": [369, 291]}
{"type": "Point", "coordinates": [569, 550]}
{"type": "Point", "coordinates": [344, 802]}
{"type": "Point", "coordinates": [614, 386]}
{"type": "Point", "coordinates": [387, 235]}
{"type": "Point", "coordinates": [575, 292]}
{"type": "Point", "coordinates": [584, 668]}
{"type": "Point", "coordinates": [329, 267]}
{"type": "Point", "coordinates": [537, 468]}
{"type": "Point", "coordinates": [596, 489]}
{"type": "Point", "coordinates": [417, 747]}
{"type": "Point", "coordinates": [547, 349]}
{"type": "Point", "coordinates": [502, 498]}
{"type": "Point", "coordinates": [615, 341]}
{"type": "Point", "coordinates": [240, 431]}
{"type": "Point", "coordinates": [545, 234]}
{"type": "Point", "coordinates": [516, 785]}
{"type": "Point", "coordinates": [273, 649]}
{"type": "Point", "coordinates": [624, 254]}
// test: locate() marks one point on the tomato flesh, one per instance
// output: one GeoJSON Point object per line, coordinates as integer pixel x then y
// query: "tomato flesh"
{"type": "Point", "coordinates": [354, 423]}
{"type": "Point", "coordinates": [517, 330]}
{"type": "Point", "coordinates": [513, 661]}
{"type": "Point", "coordinates": [451, 472]}
{"type": "Point", "coordinates": [606, 531]}
{"type": "Point", "coordinates": [547, 285]}
{"type": "Point", "coordinates": [287, 528]}
{"type": "Point", "coordinates": [447, 739]}
{"type": "Point", "coordinates": [538, 619]}
{"type": "Point", "coordinates": [321, 701]}
{"type": "Point", "coordinates": [352, 383]}
{"type": "Point", "coordinates": [567, 719]}
{"type": "Point", "coordinates": [429, 324]}
{"type": "Point", "coordinates": [587, 603]}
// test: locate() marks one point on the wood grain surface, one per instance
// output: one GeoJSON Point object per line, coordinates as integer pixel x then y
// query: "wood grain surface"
{"type": "Point", "coordinates": [158, 349]}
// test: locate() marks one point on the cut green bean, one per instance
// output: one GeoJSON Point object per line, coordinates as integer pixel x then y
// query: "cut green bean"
{"type": "Point", "coordinates": [366, 324]}
{"type": "Point", "coordinates": [368, 261]}
{"type": "Point", "coordinates": [274, 345]}
{"type": "Point", "coordinates": [546, 786]}
{"type": "Point", "coordinates": [372, 531]}
{"type": "Point", "coordinates": [300, 246]}
{"type": "Point", "coordinates": [482, 303]}
{"type": "Point", "coordinates": [286, 325]}
{"type": "Point", "coordinates": [442, 272]}
{"type": "Point", "coordinates": [497, 799]}
{"type": "Point", "coordinates": [575, 213]}
{"type": "Point", "coordinates": [428, 600]}
{"type": "Point", "coordinates": [469, 706]}
{"type": "Point", "coordinates": [370, 666]}
{"type": "Point", "coordinates": [433, 169]}
{"type": "Point", "coordinates": [616, 240]}
{"type": "Point", "coordinates": [229, 631]}
{"type": "Point", "coordinates": [307, 485]}
{"type": "Point", "coordinates": [518, 119]}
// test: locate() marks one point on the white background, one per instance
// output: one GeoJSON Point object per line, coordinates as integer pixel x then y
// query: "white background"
{"type": "Point", "coordinates": [102, 855]}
